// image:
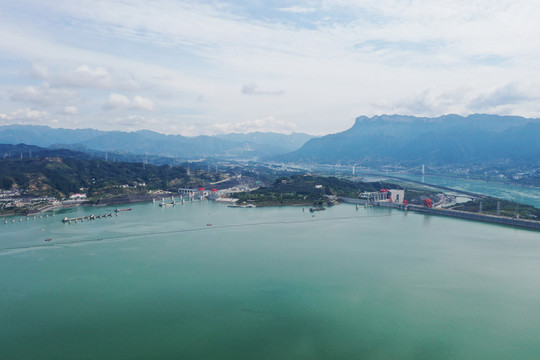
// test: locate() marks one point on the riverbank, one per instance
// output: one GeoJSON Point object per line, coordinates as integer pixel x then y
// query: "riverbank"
{"type": "Point", "coordinates": [116, 200]}
{"type": "Point", "coordinates": [501, 220]}
{"type": "Point", "coordinates": [511, 192]}
{"type": "Point", "coordinates": [494, 219]}
{"type": "Point", "coordinates": [38, 209]}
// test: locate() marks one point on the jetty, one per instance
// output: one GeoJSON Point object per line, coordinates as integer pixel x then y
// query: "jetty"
{"type": "Point", "coordinates": [27, 218]}
{"type": "Point", "coordinates": [242, 206]}
{"type": "Point", "coordinates": [90, 217]}
{"type": "Point", "coordinates": [172, 203]}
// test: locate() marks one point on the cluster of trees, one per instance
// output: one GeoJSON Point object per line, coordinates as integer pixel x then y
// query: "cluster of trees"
{"type": "Point", "coordinates": [62, 177]}
{"type": "Point", "coordinates": [303, 189]}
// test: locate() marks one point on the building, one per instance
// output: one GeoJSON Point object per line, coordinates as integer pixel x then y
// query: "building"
{"type": "Point", "coordinates": [385, 195]}
{"type": "Point", "coordinates": [77, 196]}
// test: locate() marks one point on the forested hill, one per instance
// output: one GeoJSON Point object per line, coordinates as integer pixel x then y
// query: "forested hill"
{"type": "Point", "coordinates": [61, 177]}
{"type": "Point", "coordinates": [446, 140]}
{"type": "Point", "coordinates": [308, 190]}
{"type": "Point", "coordinates": [21, 151]}
{"type": "Point", "coordinates": [24, 151]}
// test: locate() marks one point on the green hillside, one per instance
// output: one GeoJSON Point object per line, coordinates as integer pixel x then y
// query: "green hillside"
{"type": "Point", "coordinates": [60, 177]}
{"type": "Point", "coordinates": [308, 190]}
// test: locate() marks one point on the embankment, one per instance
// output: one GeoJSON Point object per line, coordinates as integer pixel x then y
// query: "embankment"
{"type": "Point", "coordinates": [502, 220]}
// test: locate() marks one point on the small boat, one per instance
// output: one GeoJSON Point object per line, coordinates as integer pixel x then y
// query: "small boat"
{"type": "Point", "coordinates": [48, 239]}
{"type": "Point", "coordinates": [318, 208]}
{"type": "Point", "coordinates": [118, 210]}
{"type": "Point", "coordinates": [208, 224]}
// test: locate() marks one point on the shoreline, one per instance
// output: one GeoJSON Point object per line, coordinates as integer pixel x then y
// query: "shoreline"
{"type": "Point", "coordinates": [491, 219]}
{"type": "Point", "coordinates": [142, 198]}
{"type": "Point", "coordinates": [449, 176]}
{"type": "Point", "coordinates": [119, 200]}
{"type": "Point", "coordinates": [485, 218]}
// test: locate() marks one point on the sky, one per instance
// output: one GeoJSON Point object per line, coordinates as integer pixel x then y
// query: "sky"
{"type": "Point", "coordinates": [213, 67]}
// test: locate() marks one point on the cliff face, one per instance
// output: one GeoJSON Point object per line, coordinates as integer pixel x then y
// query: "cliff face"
{"type": "Point", "coordinates": [446, 140]}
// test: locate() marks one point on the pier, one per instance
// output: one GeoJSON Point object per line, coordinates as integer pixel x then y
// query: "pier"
{"type": "Point", "coordinates": [82, 218]}
{"type": "Point", "coordinates": [27, 218]}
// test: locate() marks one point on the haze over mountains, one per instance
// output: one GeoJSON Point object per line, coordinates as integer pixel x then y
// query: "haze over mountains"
{"type": "Point", "coordinates": [407, 140]}
{"type": "Point", "coordinates": [447, 140]}
{"type": "Point", "coordinates": [143, 142]}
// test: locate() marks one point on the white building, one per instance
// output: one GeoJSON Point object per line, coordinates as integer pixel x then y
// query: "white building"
{"type": "Point", "coordinates": [77, 196]}
{"type": "Point", "coordinates": [385, 195]}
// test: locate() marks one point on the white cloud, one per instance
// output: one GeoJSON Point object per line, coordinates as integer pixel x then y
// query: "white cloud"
{"type": "Point", "coordinates": [83, 76]}
{"type": "Point", "coordinates": [96, 73]}
{"type": "Point", "coordinates": [507, 95]}
{"type": "Point", "coordinates": [252, 89]}
{"type": "Point", "coordinates": [344, 58]}
{"type": "Point", "coordinates": [138, 122]}
{"type": "Point", "coordinates": [39, 70]}
{"type": "Point", "coordinates": [118, 101]}
{"type": "Point", "coordinates": [71, 110]}
{"type": "Point", "coordinates": [142, 103]}
{"type": "Point", "coordinates": [298, 9]}
{"type": "Point", "coordinates": [43, 95]}
{"type": "Point", "coordinates": [465, 100]}
{"type": "Point", "coordinates": [267, 124]}
{"type": "Point", "coordinates": [24, 116]}
{"type": "Point", "coordinates": [28, 114]}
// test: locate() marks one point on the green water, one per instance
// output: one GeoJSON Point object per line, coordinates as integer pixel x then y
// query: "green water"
{"type": "Point", "coordinates": [268, 283]}
{"type": "Point", "coordinates": [513, 192]}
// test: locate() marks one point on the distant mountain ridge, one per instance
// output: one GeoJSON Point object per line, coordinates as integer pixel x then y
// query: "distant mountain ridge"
{"type": "Point", "coordinates": [79, 152]}
{"type": "Point", "coordinates": [251, 145]}
{"type": "Point", "coordinates": [445, 140]}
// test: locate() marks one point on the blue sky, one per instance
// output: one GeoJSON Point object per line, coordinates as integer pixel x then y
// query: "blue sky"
{"type": "Point", "coordinates": [210, 67]}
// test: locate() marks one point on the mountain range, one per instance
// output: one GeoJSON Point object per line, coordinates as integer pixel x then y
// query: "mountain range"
{"type": "Point", "coordinates": [9, 151]}
{"type": "Point", "coordinates": [447, 140]}
{"type": "Point", "coordinates": [252, 145]}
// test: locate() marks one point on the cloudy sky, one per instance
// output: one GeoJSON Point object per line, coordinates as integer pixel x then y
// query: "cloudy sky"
{"type": "Point", "coordinates": [209, 67]}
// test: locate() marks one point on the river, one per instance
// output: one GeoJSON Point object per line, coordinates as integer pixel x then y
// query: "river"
{"type": "Point", "coordinates": [513, 192]}
{"type": "Point", "coordinates": [204, 281]}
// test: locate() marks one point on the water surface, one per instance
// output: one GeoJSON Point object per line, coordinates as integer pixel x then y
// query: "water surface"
{"type": "Point", "coordinates": [513, 192]}
{"type": "Point", "coordinates": [268, 283]}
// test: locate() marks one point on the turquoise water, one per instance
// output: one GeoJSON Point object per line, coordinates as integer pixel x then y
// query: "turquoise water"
{"type": "Point", "coordinates": [513, 192]}
{"type": "Point", "coordinates": [267, 283]}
